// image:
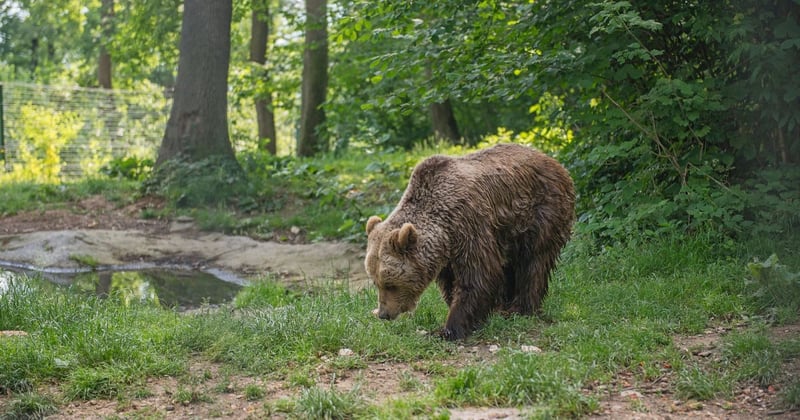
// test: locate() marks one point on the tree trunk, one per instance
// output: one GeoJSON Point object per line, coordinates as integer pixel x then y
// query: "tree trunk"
{"type": "Point", "coordinates": [198, 123]}
{"type": "Point", "coordinates": [104, 61]}
{"type": "Point", "coordinates": [259, 36]}
{"type": "Point", "coordinates": [444, 122]}
{"type": "Point", "coordinates": [315, 80]}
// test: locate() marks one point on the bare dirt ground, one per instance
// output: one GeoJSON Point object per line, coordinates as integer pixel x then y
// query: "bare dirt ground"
{"type": "Point", "coordinates": [118, 236]}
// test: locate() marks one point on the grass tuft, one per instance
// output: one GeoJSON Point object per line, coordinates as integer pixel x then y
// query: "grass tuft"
{"type": "Point", "coordinates": [29, 405]}
{"type": "Point", "coordinates": [521, 379]}
{"type": "Point", "coordinates": [694, 383]}
{"type": "Point", "coordinates": [790, 396]}
{"type": "Point", "coordinates": [320, 403]}
{"type": "Point", "coordinates": [253, 392]}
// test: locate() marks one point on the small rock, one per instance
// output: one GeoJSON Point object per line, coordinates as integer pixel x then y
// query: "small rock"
{"type": "Point", "coordinates": [629, 393]}
{"type": "Point", "coordinates": [184, 219]}
{"type": "Point", "coordinates": [170, 408]}
{"type": "Point", "coordinates": [267, 236]}
{"type": "Point", "coordinates": [530, 349]}
{"type": "Point", "coordinates": [422, 332]}
{"type": "Point", "coordinates": [13, 333]}
{"type": "Point", "coordinates": [295, 230]}
{"type": "Point", "coordinates": [704, 353]}
{"type": "Point", "coordinates": [345, 352]}
{"type": "Point", "coordinates": [494, 348]}
{"type": "Point", "coordinates": [695, 405]}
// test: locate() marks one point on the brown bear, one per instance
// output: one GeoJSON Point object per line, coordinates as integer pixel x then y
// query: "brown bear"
{"type": "Point", "coordinates": [488, 226]}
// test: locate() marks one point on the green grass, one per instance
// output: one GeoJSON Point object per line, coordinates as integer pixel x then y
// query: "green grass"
{"type": "Point", "coordinates": [29, 405]}
{"type": "Point", "coordinates": [320, 403]}
{"type": "Point", "coordinates": [17, 197]}
{"type": "Point", "coordinates": [790, 396]}
{"type": "Point", "coordinates": [608, 312]}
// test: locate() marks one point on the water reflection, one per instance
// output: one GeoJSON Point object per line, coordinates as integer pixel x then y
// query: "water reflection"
{"type": "Point", "coordinates": [182, 289]}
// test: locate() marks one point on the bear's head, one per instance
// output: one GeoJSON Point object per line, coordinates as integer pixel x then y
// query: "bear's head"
{"type": "Point", "coordinates": [394, 267]}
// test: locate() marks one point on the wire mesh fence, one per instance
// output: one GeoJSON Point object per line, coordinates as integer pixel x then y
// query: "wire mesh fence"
{"type": "Point", "coordinates": [55, 132]}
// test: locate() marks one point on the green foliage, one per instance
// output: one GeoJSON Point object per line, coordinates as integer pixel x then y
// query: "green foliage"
{"type": "Point", "coordinates": [264, 293]}
{"type": "Point", "coordinates": [775, 289]}
{"type": "Point", "coordinates": [129, 167]}
{"type": "Point", "coordinates": [211, 181]}
{"type": "Point", "coordinates": [674, 106]}
{"type": "Point", "coordinates": [345, 190]}
{"type": "Point", "coordinates": [39, 142]}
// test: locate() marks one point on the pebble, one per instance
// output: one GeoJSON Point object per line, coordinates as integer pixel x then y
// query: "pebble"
{"type": "Point", "coordinates": [629, 393]}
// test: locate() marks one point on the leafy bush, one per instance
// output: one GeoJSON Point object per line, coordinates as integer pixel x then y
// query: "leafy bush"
{"type": "Point", "coordinates": [130, 167]}
{"type": "Point", "coordinates": [775, 289]}
{"type": "Point", "coordinates": [39, 142]}
{"type": "Point", "coordinates": [215, 180]}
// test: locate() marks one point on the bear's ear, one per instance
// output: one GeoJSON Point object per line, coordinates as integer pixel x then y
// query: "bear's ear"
{"type": "Point", "coordinates": [406, 237]}
{"type": "Point", "coordinates": [374, 220]}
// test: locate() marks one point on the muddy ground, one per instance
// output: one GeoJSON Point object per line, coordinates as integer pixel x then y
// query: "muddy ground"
{"type": "Point", "coordinates": [117, 236]}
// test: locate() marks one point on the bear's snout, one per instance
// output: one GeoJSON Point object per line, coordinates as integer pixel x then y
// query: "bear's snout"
{"type": "Point", "coordinates": [385, 314]}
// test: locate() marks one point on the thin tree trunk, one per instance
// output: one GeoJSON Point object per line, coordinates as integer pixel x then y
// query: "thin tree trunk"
{"type": "Point", "coordinates": [259, 36]}
{"type": "Point", "coordinates": [444, 122]}
{"type": "Point", "coordinates": [315, 80]}
{"type": "Point", "coordinates": [104, 61]}
{"type": "Point", "coordinates": [198, 123]}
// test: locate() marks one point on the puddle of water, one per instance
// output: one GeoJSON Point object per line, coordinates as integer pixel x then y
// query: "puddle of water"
{"type": "Point", "coordinates": [171, 287]}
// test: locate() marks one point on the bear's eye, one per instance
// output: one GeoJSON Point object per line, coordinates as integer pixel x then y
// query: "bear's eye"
{"type": "Point", "coordinates": [390, 288]}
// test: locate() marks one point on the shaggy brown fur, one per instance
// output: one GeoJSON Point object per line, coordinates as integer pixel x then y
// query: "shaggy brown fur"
{"type": "Point", "coordinates": [489, 227]}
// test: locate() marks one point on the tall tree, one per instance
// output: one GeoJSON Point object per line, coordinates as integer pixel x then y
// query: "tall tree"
{"type": "Point", "coordinates": [315, 80]}
{"type": "Point", "coordinates": [444, 121]}
{"type": "Point", "coordinates": [104, 61]}
{"type": "Point", "coordinates": [198, 123]}
{"type": "Point", "coordinates": [259, 36]}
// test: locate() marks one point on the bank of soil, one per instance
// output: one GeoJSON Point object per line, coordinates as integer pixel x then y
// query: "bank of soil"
{"type": "Point", "coordinates": [114, 236]}
{"type": "Point", "coordinates": [61, 238]}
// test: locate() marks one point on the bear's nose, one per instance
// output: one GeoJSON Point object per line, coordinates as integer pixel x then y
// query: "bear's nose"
{"type": "Point", "coordinates": [384, 314]}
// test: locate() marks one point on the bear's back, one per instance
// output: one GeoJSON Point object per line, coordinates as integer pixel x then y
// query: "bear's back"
{"type": "Point", "coordinates": [500, 186]}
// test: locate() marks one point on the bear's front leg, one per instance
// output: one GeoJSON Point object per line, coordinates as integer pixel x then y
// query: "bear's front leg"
{"type": "Point", "coordinates": [468, 311]}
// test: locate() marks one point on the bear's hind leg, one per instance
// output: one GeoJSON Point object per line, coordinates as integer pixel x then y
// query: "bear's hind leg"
{"type": "Point", "coordinates": [445, 283]}
{"type": "Point", "coordinates": [544, 258]}
{"type": "Point", "coordinates": [519, 282]}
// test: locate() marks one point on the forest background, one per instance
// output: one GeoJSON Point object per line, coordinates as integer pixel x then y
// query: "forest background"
{"type": "Point", "coordinates": [670, 115]}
